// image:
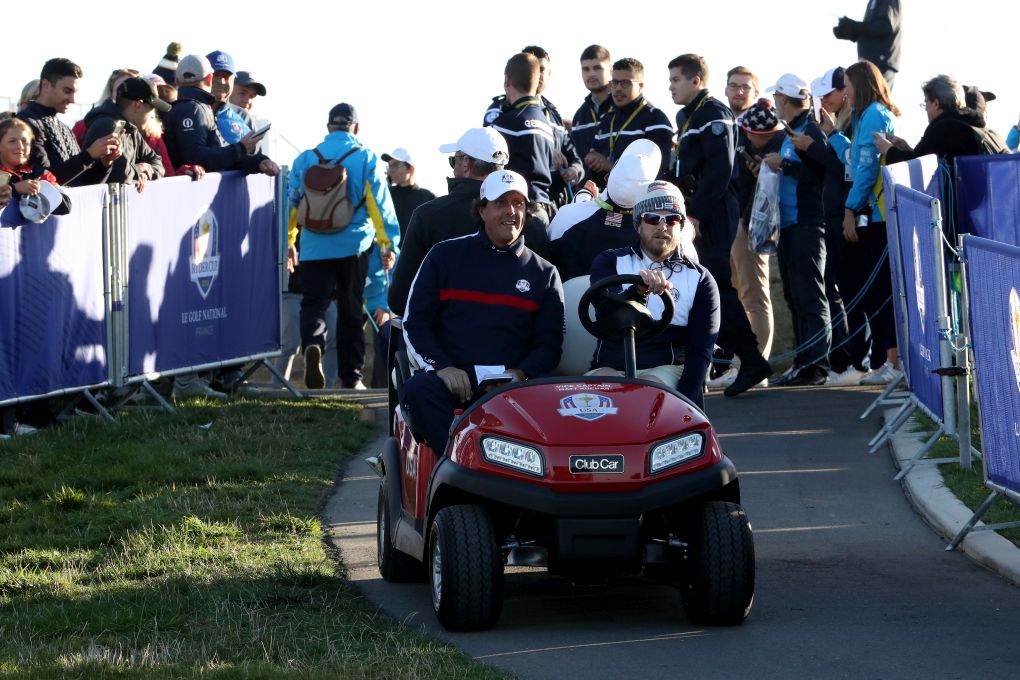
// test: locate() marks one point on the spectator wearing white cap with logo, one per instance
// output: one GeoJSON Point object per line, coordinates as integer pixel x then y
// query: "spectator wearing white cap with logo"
{"type": "Point", "coordinates": [478, 153]}
{"type": "Point", "coordinates": [679, 356]}
{"type": "Point", "coordinates": [802, 233]}
{"type": "Point", "coordinates": [482, 303]}
{"type": "Point", "coordinates": [406, 194]}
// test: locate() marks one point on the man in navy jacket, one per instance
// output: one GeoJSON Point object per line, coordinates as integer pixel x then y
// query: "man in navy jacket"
{"type": "Point", "coordinates": [482, 303]}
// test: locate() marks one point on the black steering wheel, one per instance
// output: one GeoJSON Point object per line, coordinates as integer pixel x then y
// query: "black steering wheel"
{"type": "Point", "coordinates": [619, 314]}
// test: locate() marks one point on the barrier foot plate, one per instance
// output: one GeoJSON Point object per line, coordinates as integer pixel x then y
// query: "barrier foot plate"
{"type": "Point", "coordinates": [883, 398]}
{"type": "Point", "coordinates": [279, 376]}
{"type": "Point", "coordinates": [969, 526]}
{"type": "Point", "coordinates": [163, 403]}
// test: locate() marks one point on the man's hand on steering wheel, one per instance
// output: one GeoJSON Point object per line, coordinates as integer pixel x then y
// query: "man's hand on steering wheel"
{"type": "Point", "coordinates": [655, 281]}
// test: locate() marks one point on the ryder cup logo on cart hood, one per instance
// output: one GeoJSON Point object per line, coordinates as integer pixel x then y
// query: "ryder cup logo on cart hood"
{"type": "Point", "coordinates": [918, 281]}
{"type": "Point", "coordinates": [1014, 332]}
{"type": "Point", "coordinates": [205, 252]}
{"type": "Point", "coordinates": [587, 406]}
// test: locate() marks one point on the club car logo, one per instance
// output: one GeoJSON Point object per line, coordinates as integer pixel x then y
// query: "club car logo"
{"type": "Point", "coordinates": [1014, 328]}
{"type": "Point", "coordinates": [587, 406]}
{"type": "Point", "coordinates": [586, 465]}
{"type": "Point", "coordinates": [205, 253]}
{"type": "Point", "coordinates": [918, 281]}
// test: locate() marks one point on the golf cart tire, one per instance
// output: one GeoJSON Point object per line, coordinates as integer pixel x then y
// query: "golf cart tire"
{"type": "Point", "coordinates": [394, 565]}
{"type": "Point", "coordinates": [719, 590]}
{"type": "Point", "coordinates": [466, 559]}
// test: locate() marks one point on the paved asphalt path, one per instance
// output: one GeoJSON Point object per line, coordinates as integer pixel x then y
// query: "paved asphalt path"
{"type": "Point", "coordinates": [850, 581]}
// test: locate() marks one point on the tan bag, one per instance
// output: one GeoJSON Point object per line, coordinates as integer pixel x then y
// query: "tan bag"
{"type": "Point", "coordinates": [326, 208]}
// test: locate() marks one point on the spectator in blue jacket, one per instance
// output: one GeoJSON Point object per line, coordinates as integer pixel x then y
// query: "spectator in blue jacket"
{"type": "Point", "coordinates": [338, 261]}
{"type": "Point", "coordinates": [864, 213]}
{"type": "Point", "coordinates": [802, 233]}
{"type": "Point", "coordinates": [482, 303]}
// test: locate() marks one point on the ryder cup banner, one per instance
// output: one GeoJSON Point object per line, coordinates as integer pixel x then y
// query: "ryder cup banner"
{"type": "Point", "coordinates": [53, 330]}
{"type": "Point", "coordinates": [988, 197]}
{"type": "Point", "coordinates": [203, 284]}
{"type": "Point", "coordinates": [993, 279]}
{"type": "Point", "coordinates": [917, 263]}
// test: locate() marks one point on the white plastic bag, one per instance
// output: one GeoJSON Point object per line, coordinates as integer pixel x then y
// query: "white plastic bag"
{"type": "Point", "coordinates": [763, 228]}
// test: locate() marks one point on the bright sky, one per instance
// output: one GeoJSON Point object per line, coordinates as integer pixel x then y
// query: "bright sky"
{"type": "Point", "coordinates": [420, 73]}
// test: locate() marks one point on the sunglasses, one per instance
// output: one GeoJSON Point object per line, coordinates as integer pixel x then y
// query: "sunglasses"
{"type": "Point", "coordinates": [657, 219]}
{"type": "Point", "coordinates": [454, 158]}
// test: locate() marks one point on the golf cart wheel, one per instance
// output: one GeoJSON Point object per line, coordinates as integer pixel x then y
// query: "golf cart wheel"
{"type": "Point", "coordinates": [465, 568]}
{"type": "Point", "coordinates": [720, 587]}
{"type": "Point", "coordinates": [394, 566]}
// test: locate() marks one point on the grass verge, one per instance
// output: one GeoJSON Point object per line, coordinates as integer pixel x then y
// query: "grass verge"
{"type": "Point", "coordinates": [188, 545]}
{"type": "Point", "coordinates": [968, 485]}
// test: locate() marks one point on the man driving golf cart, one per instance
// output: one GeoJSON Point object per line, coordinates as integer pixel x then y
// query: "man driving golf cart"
{"type": "Point", "coordinates": [680, 356]}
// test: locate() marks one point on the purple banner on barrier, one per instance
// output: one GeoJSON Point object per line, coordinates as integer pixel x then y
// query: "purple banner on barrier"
{"type": "Point", "coordinates": [917, 248]}
{"type": "Point", "coordinates": [53, 330]}
{"type": "Point", "coordinates": [203, 281]}
{"type": "Point", "coordinates": [920, 174]}
{"type": "Point", "coordinates": [988, 197]}
{"type": "Point", "coordinates": [993, 280]}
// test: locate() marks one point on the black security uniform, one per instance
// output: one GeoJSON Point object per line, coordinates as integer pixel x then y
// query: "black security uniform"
{"type": "Point", "coordinates": [706, 145]}
{"type": "Point", "coordinates": [586, 123]}
{"type": "Point", "coordinates": [637, 120]}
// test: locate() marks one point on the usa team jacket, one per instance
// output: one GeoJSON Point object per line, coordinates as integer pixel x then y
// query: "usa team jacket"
{"type": "Point", "coordinates": [690, 337]}
{"type": "Point", "coordinates": [473, 304]}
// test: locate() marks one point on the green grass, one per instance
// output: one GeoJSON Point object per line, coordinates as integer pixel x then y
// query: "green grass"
{"type": "Point", "coordinates": [968, 485]}
{"type": "Point", "coordinates": [189, 545]}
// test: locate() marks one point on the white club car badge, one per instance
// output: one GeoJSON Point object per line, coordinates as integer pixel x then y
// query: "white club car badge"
{"type": "Point", "coordinates": [587, 406]}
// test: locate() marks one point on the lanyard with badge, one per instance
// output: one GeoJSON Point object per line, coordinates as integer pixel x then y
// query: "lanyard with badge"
{"type": "Point", "coordinates": [612, 123]}
{"type": "Point", "coordinates": [683, 130]}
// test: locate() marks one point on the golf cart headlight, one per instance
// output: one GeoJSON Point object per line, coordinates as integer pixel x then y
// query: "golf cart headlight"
{"type": "Point", "coordinates": [675, 451]}
{"type": "Point", "coordinates": [511, 454]}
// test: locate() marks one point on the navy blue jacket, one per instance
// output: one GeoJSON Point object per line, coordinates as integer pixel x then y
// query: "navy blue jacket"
{"type": "Point", "coordinates": [531, 140]}
{"type": "Point", "coordinates": [704, 167]}
{"type": "Point", "coordinates": [800, 186]}
{"type": "Point", "coordinates": [581, 231]}
{"type": "Point", "coordinates": [586, 123]}
{"type": "Point", "coordinates": [614, 133]}
{"type": "Point", "coordinates": [473, 304]}
{"type": "Point", "coordinates": [193, 138]}
{"type": "Point", "coordinates": [689, 339]}
{"type": "Point", "coordinates": [501, 114]}
{"type": "Point", "coordinates": [443, 218]}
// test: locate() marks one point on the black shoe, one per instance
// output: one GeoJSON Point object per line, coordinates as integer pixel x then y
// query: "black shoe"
{"type": "Point", "coordinates": [751, 373]}
{"type": "Point", "coordinates": [315, 379]}
{"type": "Point", "coordinates": [810, 375]}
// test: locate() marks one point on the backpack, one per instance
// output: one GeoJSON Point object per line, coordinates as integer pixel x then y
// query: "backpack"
{"type": "Point", "coordinates": [326, 208]}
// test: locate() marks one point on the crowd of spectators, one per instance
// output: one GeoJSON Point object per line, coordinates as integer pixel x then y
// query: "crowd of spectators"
{"type": "Point", "coordinates": [825, 140]}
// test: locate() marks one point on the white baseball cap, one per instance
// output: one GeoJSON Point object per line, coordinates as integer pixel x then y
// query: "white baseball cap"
{"type": "Point", "coordinates": [834, 79]}
{"type": "Point", "coordinates": [502, 181]}
{"type": "Point", "coordinates": [791, 86]}
{"type": "Point", "coordinates": [484, 144]}
{"type": "Point", "coordinates": [399, 154]}
{"type": "Point", "coordinates": [39, 207]}
{"type": "Point", "coordinates": [639, 163]}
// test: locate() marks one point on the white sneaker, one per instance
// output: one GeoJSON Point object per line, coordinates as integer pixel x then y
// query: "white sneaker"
{"type": "Point", "coordinates": [883, 375]}
{"type": "Point", "coordinates": [724, 380]}
{"type": "Point", "coordinates": [195, 387]}
{"type": "Point", "coordinates": [851, 376]}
